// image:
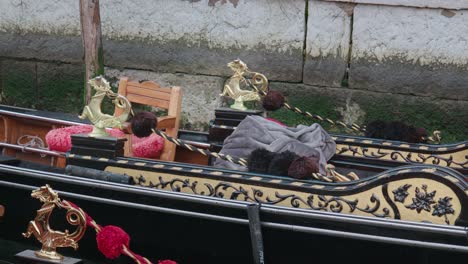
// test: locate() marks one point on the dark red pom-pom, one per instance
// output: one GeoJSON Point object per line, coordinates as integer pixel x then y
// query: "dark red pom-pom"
{"type": "Point", "coordinates": [166, 261]}
{"type": "Point", "coordinates": [303, 167]}
{"type": "Point", "coordinates": [110, 241]}
{"type": "Point", "coordinates": [143, 123]}
{"type": "Point", "coordinates": [421, 135]}
{"type": "Point", "coordinates": [273, 100]}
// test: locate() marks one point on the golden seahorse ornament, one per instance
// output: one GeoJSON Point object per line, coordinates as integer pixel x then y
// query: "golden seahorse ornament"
{"type": "Point", "coordinates": [232, 86]}
{"type": "Point", "coordinates": [93, 111]}
{"type": "Point", "coordinates": [51, 239]}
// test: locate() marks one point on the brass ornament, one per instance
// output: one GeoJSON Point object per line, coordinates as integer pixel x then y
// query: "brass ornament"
{"type": "Point", "coordinates": [233, 87]}
{"type": "Point", "coordinates": [51, 239]}
{"type": "Point", "coordinates": [93, 111]}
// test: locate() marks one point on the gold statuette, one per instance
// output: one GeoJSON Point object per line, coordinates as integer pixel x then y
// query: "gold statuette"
{"type": "Point", "coordinates": [93, 110]}
{"type": "Point", "coordinates": [233, 86]}
{"type": "Point", "coordinates": [51, 239]}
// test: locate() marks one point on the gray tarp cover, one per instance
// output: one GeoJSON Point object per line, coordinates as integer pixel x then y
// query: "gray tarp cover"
{"type": "Point", "coordinates": [257, 132]}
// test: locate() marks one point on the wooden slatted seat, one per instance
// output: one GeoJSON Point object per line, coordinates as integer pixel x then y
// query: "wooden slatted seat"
{"type": "Point", "coordinates": [152, 94]}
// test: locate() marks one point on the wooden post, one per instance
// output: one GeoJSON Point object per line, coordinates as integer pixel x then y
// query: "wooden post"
{"type": "Point", "coordinates": [92, 42]}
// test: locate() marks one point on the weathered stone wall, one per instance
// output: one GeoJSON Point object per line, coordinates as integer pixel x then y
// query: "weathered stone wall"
{"type": "Point", "coordinates": [353, 53]}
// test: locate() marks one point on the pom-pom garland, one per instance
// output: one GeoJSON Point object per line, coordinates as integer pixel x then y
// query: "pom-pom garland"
{"type": "Point", "coordinates": [113, 241]}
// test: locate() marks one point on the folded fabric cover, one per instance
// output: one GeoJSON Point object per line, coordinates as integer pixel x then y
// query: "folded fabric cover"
{"type": "Point", "coordinates": [257, 132]}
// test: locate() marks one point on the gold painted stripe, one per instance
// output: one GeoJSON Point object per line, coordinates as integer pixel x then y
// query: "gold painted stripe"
{"type": "Point", "coordinates": [103, 159]}
{"type": "Point", "coordinates": [367, 141]}
{"type": "Point", "coordinates": [430, 170]}
{"type": "Point", "coordinates": [256, 178]}
{"type": "Point", "coordinates": [159, 166]}
{"type": "Point", "coordinates": [86, 157]}
{"type": "Point", "coordinates": [196, 170]}
{"type": "Point", "coordinates": [140, 163]}
{"type": "Point", "coordinates": [176, 168]}
{"type": "Point", "coordinates": [441, 149]}
{"type": "Point", "coordinates": [424, 147]}
{"type": "Point", "coordinates": [216, 173]}
{"type": "Point", "coordinates": [387, 143]}
{"type": "Point", "coordinates": [404, 146]}
{"type": "Point", "coordinates": [275, 181]}
{"type": "Point", "coordinates": [340, 188]}
{"type": "Point", "coordinates": [316, 186]}
{"type": "Point", "coordinates": [236, 175]}
{"type": "Point", "coordinates": [350, 140]}
{"type": "Point", "coordinates": [452, 179]}
{"type": "Point", "coordinates": [122, 161]}
{"type": "Point", "coordinates": [297, 183]}
{"type": "Point", "coordinates": [404, 171]}
{"type": "Point", "coordinates": [71, 155]}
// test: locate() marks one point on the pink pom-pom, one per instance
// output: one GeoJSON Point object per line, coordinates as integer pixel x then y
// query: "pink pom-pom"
{"type": "Point", "coordinates": [148, 147]}
{"type": "Point", "coordinates": [111, 240]}
{"type": "Point", "coordinates": [60, 139]}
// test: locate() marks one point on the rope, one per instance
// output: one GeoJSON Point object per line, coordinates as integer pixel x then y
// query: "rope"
{"type": "Point", "coordinates": [240, 161]}
{"type": "Point", "coordinates": [34, 142]}
{"type": "Point", "coordinates": [353, 126]}
{"type": "Point", "coordinates": [435, 138]}
{"type": "Point", "coordinates": [90, 222]}
{"type": "Point", "coordinates": [181, 143]}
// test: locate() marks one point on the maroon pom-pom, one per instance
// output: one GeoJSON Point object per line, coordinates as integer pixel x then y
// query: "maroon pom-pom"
{"type": "Point", "coordinates": [110, 241]}
{"type": "Point", "coordinates": [303, 167]}
{"type": "Point", "coordinates": [273, 100]}
{"type": "Point", "coordinates": [143, 123]}
{"type": "Point", "coordinates": [421, 135]}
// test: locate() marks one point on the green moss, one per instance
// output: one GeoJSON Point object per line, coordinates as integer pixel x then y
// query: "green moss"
{"type": "Point", "coordinates": [61, 95]}
{"type": "Point", "coordinates": [60, 87]}
{"type": "Point", "coordinates": [19, 84]}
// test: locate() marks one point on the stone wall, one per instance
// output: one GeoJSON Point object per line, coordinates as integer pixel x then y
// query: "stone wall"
{"type": "Point", "coordinates": [351, 53]}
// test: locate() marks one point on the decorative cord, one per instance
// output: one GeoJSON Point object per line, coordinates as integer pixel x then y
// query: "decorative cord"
{"type": "Point", "coordinates": [181, 143]}
{"type": "Point", "coordinates": [334, 176]}
{"type": "Point", "coordinates": [116, 243]}
{"type": "Point", "coordinates": [435, 138]}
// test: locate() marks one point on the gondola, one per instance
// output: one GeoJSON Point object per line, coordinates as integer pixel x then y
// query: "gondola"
{"type": "Point", "coordinates": [200, 214]}
{"type": "Point", "coordinates": [400, 206]}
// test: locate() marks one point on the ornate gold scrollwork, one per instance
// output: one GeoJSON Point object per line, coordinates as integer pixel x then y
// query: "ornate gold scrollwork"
{"type": "Point", "coordinates": [233, 86]}
{"type": "Point", "coordinates": [51, 239]}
